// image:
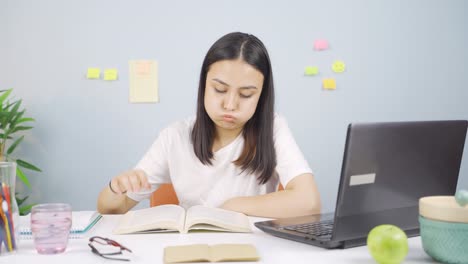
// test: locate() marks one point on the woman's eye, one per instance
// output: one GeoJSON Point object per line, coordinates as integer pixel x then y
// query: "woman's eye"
{"type": "Point", "coordinates": [245, 96]}
{"type": "Point", "coordinates": [219, 90]}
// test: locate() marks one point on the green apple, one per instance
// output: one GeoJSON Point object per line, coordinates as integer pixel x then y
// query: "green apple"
{"type": "Point", "coordinates": [388, 244]}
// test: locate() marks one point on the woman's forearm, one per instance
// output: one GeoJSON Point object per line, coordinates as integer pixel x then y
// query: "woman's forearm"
{"type": "Point", "coordinates": [301, 197]}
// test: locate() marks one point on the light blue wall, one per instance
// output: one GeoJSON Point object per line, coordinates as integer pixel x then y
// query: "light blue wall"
{"type": "Point", "coordinates": [406, 61]}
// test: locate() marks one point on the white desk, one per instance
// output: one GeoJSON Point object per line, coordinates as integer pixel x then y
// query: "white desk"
{"type": "Point", "coordinates": [148, 248]}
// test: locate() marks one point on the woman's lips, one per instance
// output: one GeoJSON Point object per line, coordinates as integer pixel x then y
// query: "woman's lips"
{"type": "Point", "coordinates": [229, 118]}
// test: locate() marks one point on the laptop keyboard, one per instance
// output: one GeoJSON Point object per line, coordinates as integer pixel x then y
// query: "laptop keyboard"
{"type": "Point", "coordinates": [317, 229]}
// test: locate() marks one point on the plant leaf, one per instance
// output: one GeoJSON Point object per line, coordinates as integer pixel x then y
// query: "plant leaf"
{"type": "Point", "coordinates": [14, 110]}
{"type": "Point", "coordinates": [5, 95]}
{"type": "Point", "coordinates": [20, 201]}
{"type": "Point", "coordinates": [27, 165]}
{"type": "Point", "coordinates": [24, 210]}
{"type": "Point", "coordinates": [18, 128]}
{"type": "Point", "coordinates": [22, 177]}
{"type": "Point", "coordinates": [3, 135]}
{"type": "Point", "coordinates": [13, 146]}
{"type": "Point", "coordinates": [15, 119]}
{"type": "Point", "coordinates": [25, 119]}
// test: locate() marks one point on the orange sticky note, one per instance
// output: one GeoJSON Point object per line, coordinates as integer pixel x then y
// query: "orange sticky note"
{"type": "Point", "coordinates": [329, 84]}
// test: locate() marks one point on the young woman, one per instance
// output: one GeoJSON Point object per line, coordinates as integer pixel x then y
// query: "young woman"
{"type": "Point", "coordinates": [234, 153]}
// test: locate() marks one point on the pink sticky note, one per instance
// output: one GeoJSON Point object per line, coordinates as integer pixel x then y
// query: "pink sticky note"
{"type": "Point", "coordinates": [321, 44]}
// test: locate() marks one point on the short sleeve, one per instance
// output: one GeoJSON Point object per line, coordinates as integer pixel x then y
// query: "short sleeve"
{"type": "Point", "coordinates": [155, 165]}
{"type": "Point", "coordinates": [290, 160]}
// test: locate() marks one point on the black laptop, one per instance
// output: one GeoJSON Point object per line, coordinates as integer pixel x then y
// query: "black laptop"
{"type": "Point", "coordinates": [386, 168]}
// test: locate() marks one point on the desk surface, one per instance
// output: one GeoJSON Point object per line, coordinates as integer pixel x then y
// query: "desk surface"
{"type": "Point", "coordinates": [148, 248]}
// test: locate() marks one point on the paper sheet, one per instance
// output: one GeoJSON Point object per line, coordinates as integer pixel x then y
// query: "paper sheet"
{"type": "Point", "coordinates": [143, 81]}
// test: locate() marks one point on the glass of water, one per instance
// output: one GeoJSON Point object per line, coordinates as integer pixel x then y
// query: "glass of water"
{"type": "Point", "coordinates": [50, 226]}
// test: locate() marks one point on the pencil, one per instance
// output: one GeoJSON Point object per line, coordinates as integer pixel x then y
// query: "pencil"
{"type": "Point", "coordinates": [5, 220]}
{"type": "Point", "coordinates": [9, 213]}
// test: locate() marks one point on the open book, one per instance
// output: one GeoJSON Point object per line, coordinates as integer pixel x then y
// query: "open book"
{"type": "Point", "coordinates": [215, 253]}
{"type": "Point", "coordinates": [82, 222]}
{"type": "Point", "coordinates": [167, 218]}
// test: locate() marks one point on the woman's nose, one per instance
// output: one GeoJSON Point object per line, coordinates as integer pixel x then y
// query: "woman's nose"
{"type": "Point", "coordinates": [230, 102]}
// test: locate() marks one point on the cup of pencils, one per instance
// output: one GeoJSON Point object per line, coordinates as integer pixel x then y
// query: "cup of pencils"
{"type": "Point", "coordinates": [9, 215]}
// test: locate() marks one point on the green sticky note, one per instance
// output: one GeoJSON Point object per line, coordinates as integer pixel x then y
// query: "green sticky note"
{"type": "Point", "coordinates": [311, 70]}
{"type": "Point", "coordinates": [110, 74]}
{"type": "Point", "coordinates": [93, 73]}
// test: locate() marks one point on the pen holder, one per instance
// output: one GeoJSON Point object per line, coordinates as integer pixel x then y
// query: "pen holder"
{"type": "Point", "coordinates": [9, 214]}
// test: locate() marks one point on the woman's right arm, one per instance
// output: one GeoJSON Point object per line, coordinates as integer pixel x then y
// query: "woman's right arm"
{"type": "Point", "coordinates": [115, 201]}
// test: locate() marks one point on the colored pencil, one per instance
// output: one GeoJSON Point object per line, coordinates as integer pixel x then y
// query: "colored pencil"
{"type": "Point", "coordinates": [9, 213]}
{"type": "Point", "coordinates": [4, 206]}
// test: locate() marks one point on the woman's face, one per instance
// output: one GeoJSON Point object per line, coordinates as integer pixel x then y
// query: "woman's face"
{"type": "Point", "coordinates": [232, 90]}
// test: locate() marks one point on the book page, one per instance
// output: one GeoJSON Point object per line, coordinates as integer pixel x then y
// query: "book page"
{"type": "Point", "coordinates": [220, 218]}
{"type": "Point", "coordinates": [234, 252]}
{"type": "Point", "coordinates": [170, 217]}
{"type": "Point", "coordinates": [188, 253]}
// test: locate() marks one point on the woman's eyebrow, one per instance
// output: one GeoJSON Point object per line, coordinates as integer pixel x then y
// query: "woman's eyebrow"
{"type": "Point", "coordinates": [221, 82]}
{"type": "Point", "coordinates": [243, 87]}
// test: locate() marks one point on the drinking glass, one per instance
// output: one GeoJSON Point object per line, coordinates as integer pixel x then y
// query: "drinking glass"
{"type": "Point", "coordinates": [50, 226]}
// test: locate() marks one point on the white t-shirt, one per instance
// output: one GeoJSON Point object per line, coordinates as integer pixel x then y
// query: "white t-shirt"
{"type": "Point", "coordinates": [171, 159]}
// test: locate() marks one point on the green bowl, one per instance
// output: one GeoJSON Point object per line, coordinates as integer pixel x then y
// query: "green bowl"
{"type": "Point", "coordinates": [446, 242]}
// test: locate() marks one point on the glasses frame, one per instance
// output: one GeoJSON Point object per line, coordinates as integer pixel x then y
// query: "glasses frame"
{"type": "Point", "coordinates": [107, 241]}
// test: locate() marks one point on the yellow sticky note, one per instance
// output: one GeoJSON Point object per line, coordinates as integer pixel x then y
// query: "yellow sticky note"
{"type": "Point", "coordinates": [143, 81]}
{"type": "Point", "coordinates": [110, 74]}
{"type": "Point", "coordinates": [93, 73]}
{"type": "Point", "coordinates": [338, 66]}
{"type": "Point", "coordinates": [311, 70]}
{"type": "Point", "coordinates": [329, 84]}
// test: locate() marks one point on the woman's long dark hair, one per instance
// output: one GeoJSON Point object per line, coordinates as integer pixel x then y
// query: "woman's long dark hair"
{"type": "Point", "coordinates": [258, 155]}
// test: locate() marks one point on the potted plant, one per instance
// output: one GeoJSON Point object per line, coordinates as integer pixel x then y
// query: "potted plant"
{"type": "Point", "coordinates": [12, 121]}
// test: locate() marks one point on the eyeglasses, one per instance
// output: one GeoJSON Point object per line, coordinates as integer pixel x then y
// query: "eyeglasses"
{"type": "Point", "coordinates": [106, 241]}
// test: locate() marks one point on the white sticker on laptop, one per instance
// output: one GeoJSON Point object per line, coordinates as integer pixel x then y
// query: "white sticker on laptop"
{"type": "Point", "coordinates": [362, 179]}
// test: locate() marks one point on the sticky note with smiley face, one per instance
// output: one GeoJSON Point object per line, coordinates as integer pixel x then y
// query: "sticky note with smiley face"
{"type": "Point", "coordinates": [329, 84]}
{"type": "Point", "coordinates": [338, 66]}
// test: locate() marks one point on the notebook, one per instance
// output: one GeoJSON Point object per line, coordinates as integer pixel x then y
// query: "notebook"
{"type": "Point", "coordinates": [210, 253]}
{"type": "Point", "coordinates": [386, 168]}
{"type": "Point", "coordinates": [82, 223]}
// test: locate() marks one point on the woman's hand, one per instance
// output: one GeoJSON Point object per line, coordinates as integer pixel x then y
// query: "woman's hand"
{"type": "Point", "coordinates": [132, 181]}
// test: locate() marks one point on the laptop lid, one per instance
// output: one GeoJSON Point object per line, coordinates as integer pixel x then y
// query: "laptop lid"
{"type": "Point", "coordinates": [387, 167]}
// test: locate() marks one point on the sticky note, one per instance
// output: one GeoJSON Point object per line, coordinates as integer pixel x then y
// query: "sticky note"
{"type": "Point", "coordinates": [93, 73]}
{"type": "Point", "coordinates": [321, 44]}
{"type": "Point", "coordinates": [311, 70]}
{"type": "Point", "coordinates": [338, 66]}
{"type": "Point", "coordinates": [329, 84]}
{"type": "Point", "coordinates": [110, 74]}
{"type": "Point", "coordinates": [143, 81]}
